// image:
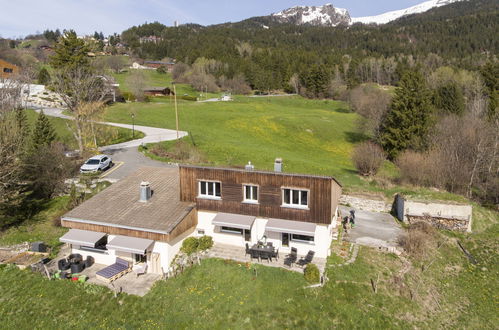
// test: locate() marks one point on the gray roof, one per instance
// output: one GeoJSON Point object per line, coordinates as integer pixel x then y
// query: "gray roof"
{"type": "Point", "coordinates": [82, 237]}
{"type": "Point", "coordinates": [233, 220]}
{"type": "Point", "coordinates": [119, 206]}
{"type": "Point", "coordinates": [292, 227]}
{"type": "Point", "coordinates": [264, 172]}
{"type": "Point", "coordinates": [129, 244]}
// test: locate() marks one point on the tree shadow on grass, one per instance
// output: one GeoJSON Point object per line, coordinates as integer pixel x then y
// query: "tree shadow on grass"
{"type": "Point", "coordinates": [343, 110]}
{"type": "Point", "coordinates": [356, 137]}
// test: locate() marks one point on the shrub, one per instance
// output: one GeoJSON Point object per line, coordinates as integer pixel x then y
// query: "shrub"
{"type": "Point", "coordinates": [367, 158]}
{"type": "Point", "coordinates": [312, 274]}
{"type": "Point", "coordinates": [162, 70]}
{"type": "Point", "coordinates": [190, 245]}
{"type": "Point", "coordinates": [419, 239]}
{"type": "Point", "coordinates": [189, 98]}
{"type": "Point", "coordinates": [128, 96]}
{"type": "Point", "coordinates": [205, 243]}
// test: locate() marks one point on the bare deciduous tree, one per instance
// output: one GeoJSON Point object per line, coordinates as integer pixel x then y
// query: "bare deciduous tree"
{"type": "Point", "coordinates": [137, 83]}
{"type": "Point", "coordinates": [368, 158]}
{"type": "Point", "coordinates": [80, 89]}
{"type": "Point", "coordinates": [372, 104]}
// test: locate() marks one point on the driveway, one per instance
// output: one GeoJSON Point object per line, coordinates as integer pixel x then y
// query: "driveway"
{"type": "Point", "coordinates": [372, 228]}
{"type": "Point", "coordinates": [125, 155]}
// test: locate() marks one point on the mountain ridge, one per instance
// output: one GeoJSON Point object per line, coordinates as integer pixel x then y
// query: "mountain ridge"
{"type": "Point", "coordinates": [328, 15]}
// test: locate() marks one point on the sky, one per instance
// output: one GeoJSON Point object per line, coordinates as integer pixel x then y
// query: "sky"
{"type": "Point", "coordinates": [22, 17]}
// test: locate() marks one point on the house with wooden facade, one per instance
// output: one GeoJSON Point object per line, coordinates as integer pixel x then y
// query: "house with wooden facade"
{"type": "Point", "coordinates": [145, 217]}
{"type": "Point", "coordinates": [7, 70]}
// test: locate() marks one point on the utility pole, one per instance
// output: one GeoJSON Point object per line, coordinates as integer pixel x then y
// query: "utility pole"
{"type": "Point", "coordinates": [176, 110]}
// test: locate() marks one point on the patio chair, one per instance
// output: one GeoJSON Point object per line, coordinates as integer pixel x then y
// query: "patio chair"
{"type": "Point", "coordinates": [270, 244]}
{"type": "Point", "coordinates": [139, 269]}
{"type": "Point", "coordinates": [77, 267]}
{"type": "Point", "coordinates": [275, 254]}
{"type": "Point", "coordinates": [266, 255]}
{"type": "Point", "coordinates": [63, 264]}
{"type": "Point", "coordinates": [254, 254]}
{"type": "Point", "coordinates": [308, 259]}
{"type": "Point", "coordinates": [247, 250]}
{"type": "Point", "coordinates": [291, 258]}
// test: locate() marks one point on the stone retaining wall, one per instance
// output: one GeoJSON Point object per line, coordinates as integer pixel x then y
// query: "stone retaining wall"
{"type": "Point", "coordinates": [365, 204]}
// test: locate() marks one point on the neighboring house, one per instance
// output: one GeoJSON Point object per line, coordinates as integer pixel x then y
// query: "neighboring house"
{"type": "Point", "coordinates": [234, 206]}
{"type": "Point", "coordinates": [158, 91]}
{"type": "Point", "coordinates": [226, 97]}
{"type": "Point", "coordinates": [7, 70]}
{"type": "Point", "coordinates": [157, 64]}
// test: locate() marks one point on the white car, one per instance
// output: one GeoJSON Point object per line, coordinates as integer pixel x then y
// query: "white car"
{"type": "Point", "coordinates": [96, 163]}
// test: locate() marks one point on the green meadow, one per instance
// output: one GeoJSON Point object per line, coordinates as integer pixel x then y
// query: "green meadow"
{"type": "Point", "coordinates": [314, 137]}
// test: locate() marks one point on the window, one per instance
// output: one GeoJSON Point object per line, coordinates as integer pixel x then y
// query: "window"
{"type": "Point", "coordinates": [251, 194]}
{"type": "Point", "coordinates": [231, 230]}
{"type": "Point", "coordinates": [295, 197]}
{"type": "Point", "coordinates": [210, 189]}
{"type": "Point", "coordinates": [140, 258]}
{"type": "Point", "coordinates": [8, 70]}
{"type": "Point", "coordinates": [302, 238]}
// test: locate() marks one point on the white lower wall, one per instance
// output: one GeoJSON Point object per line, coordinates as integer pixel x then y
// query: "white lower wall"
{"type": "Point", "coordinates": [321, 244]}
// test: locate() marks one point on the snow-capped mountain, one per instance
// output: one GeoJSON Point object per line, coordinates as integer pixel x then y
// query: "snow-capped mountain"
{"type": "Point", "coordinates": [326, 15]}
{"type": "Point", "coordinates": [393, 15]}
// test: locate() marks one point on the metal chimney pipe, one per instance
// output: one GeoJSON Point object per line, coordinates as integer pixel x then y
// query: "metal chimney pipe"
{"type": "Point", "coordinates": [145, 191]}
{"type": "Point", "coordinates": [278, 165]}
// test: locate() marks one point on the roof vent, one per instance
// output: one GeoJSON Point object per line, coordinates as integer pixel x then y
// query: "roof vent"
{"type": "Point", "coordinates": [278, 165]}
{"type": "Point", "coordinates": [145, 191]}
{"type": "Point", "coordinates": [249, 167]}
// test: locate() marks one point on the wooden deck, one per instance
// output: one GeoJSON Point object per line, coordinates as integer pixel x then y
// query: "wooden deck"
{"type": "Point", "coordinates": [224, 251]}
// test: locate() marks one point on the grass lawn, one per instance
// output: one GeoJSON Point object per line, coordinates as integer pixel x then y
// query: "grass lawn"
{"type": "Point", "coordinates": [106, 135]}
{"type": "Point", "coordinates": [450, 293]}
{"type": "Point", "coordinates": [311, 136]}
{"type": "Point", "coordinates": [39, 228]}
{"type": "Point", "coordinates": [155, 79]}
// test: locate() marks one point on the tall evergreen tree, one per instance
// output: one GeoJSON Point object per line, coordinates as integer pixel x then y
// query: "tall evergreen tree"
{"type": "Point", "coordinates": [70, 52]}
{"type": "Point", "coordinates": [43, 134]}
{"type": "Point", "coordinates": [449, 99]}
{"type": "Point", "coordinates": [43, 76]}
{"type": "Point", "coordinates": [408, 122]}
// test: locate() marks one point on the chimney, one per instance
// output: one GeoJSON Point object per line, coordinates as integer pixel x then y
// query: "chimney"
{"type": "Point", "coordinates": [249, 167]}
{"type": "Point", "coordinates": [145, 191]}
{"type": "Point", "coordinates": [278, 165]}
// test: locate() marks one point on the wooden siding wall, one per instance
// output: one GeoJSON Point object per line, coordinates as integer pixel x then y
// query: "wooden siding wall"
{"type": "Point", "coordinates": [115, 230]}
{"type": "Point", "coordinates": [189, 221]}
{"type": "Point", "coordinates": [269, 193]}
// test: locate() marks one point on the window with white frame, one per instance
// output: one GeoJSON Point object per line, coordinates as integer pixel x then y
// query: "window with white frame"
{"type": "Point", "coordinates": [210, 189]}
{"type": "Point", "coordinates": [295, 197]}
{"type": "Point", "coordinates": [251, 194]}
{"type": "Point", "coordinates": [302, 238]}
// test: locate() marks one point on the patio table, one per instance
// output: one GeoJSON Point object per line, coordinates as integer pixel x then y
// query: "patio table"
{"type": "Point", "coordinates": [269, 249]}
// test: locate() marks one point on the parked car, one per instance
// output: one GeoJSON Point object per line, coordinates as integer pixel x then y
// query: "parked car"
{"type": "Point", "coordinates": [96, 163]}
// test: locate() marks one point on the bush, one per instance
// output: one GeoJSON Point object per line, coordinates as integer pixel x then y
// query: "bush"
{"type": "Point", "coordinates": [312, 274]}
{"type": "Point", "coordinates": [162, 70]}
{"type": "Point", "coordinates": [128, 96]}
{"type": "Point", "coordinates": [367, 158]}
{"type": "Point", "coordinates": [205, 243]}
{"type": "Point", "coordinates": [190, 245]}
{"type": "Point", "coordinates": [419, 239]}
{"type": "Point", "coordinates": [189, 98]}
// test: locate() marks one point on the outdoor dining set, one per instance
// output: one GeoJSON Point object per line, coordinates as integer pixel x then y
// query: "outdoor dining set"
{"type": "Point", "coordinates": [268, 252]}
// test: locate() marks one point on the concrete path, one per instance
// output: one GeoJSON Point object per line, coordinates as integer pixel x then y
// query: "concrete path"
{"type": "Point", "coordinates": [125, 155]}
{"type": "Point", "coordinates": [372, 228]}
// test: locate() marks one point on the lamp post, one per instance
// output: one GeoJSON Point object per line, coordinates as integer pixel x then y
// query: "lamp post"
{"type": "Point", "coordinates": [133, 125]}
